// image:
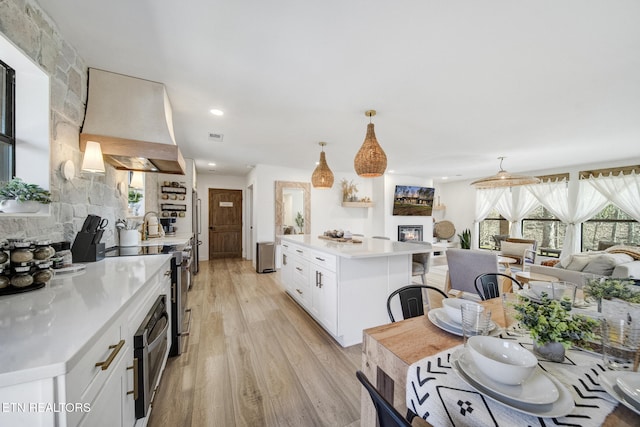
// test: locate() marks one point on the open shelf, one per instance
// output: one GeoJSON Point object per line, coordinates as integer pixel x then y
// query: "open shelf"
{"type": "Point", "coordinates": [357, 204]}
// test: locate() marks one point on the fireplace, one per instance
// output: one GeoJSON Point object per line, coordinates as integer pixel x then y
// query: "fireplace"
{"type": "Point", "coordinates": [409, 232]}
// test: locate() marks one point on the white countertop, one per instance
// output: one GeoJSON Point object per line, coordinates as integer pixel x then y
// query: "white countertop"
{"type": "Point", "coordinates": [367, 249]}
{"type": "Point", "coordinates": [43, 331]}
{"type": "Point", "coordinates": [178, 239]}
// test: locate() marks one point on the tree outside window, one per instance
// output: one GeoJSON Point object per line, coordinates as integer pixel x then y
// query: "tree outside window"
{"type": "Point", "coordinates": [610, 226]}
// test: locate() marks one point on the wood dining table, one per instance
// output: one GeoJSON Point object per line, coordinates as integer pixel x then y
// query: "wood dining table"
{"type": "Point", "coordinates": [388, 351]}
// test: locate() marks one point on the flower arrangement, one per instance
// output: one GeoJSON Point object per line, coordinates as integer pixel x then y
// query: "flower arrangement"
{"type": "Point", "coordinates": [550, 321]}
{"type": "Point", "coordinates": [608, 288]}
{"type": "Point", "coordinates": [349, 190]}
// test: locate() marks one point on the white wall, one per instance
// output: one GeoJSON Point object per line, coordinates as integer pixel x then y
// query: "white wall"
{"type": "Point", "coordinates": [392, 222]}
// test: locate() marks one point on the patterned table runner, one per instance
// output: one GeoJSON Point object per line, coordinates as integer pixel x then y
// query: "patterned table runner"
{"type": "Point", "coordinates": [437, 394]}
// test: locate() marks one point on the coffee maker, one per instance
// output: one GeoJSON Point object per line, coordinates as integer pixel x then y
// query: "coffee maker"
{"type": "Point", "coordinates": [168, 226]}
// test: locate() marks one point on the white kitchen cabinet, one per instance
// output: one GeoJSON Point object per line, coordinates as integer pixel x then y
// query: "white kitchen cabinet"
{"type": "Point", "coordinates": [324, 306]}
{"type": "Point", "coordinates": [77, 322]}
{"type": "Point", "coordinates": [347, 284]}
{"type": "Point", "coordinates": [286, 272]}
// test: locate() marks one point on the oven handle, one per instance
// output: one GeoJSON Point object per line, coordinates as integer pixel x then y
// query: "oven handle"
{"type": "Point", "coordinates": [152, 345]}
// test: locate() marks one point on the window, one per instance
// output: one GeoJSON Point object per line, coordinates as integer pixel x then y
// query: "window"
{"type": "Point", "coordinates": [610, 226]}
{"type": "Point", "coordinates": [494, 224]}
{"type": "Point", "coordinates": [7, 122]}
{"type": "Point", "coordinates": [546, 229]}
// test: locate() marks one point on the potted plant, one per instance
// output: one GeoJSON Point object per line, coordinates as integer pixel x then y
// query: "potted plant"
{"type": "Point", "coordinates": [16, 196]}
{"type": "Point", "coordinates": [465, 239]}
{"type": "Point", "coordinates": [300, 222]}
{"type": "Point", "coordinates": [609, 288]}
{"type": "Point", "coordinates": [552, 327]}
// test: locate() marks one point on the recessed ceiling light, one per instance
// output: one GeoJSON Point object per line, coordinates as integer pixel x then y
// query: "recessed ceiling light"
{"type": "Point", "coordinates": [212, 164]}
{"type": "Point", "coordinates": [216, 112]}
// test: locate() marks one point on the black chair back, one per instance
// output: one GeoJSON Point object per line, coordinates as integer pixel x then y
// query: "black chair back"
{"type": "Point", "coordinates": [411, 300]}
{"type": "Point", "coordinates": [388, 416]}
{"type": "Point", "coordinates": [488, 286]}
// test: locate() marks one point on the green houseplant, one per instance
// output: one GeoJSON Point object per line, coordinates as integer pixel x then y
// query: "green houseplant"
{"type": "Point", "coordinates": [552, 327]}
{"type": "Point", "coordinates": [300, 222]}
{"type": "Point", "coordinates": [465, 239]}
{"type": "Point", "coordinates": [16, 196]}
{"type": "Point", "coordinates": [609, 288]}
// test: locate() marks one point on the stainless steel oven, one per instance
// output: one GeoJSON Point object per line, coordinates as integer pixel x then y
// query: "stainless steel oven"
{"type": "Point", "coordinates": [180, 279]}
{"type": "Point", "coordinates": [149, 351]}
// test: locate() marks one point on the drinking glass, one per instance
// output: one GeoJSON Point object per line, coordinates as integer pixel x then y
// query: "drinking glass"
{"type": "Point", "coordinates": [562, 290]}
{"type": "Point", "coordinates": [511, 324]}
{"type": "Point", "coordinates": [475, 321]}
{"type": "Point", "coordinates": [620, 344]}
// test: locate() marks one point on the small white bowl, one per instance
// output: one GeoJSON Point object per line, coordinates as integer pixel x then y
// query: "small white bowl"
{"type": "Point", "coordinates": [452, 308]}
{"type": "Point", "coordinates": [503, 361]}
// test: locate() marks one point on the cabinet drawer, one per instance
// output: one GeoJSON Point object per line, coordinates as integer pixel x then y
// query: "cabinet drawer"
{"type": "Point", "coordinates": [325, 260]}
{"type": "Point", "coordinates": [300, 269]}
{"type": "Point", "coordinates": [300, 251]}
{"type": "Point", "coordinates": [86, 373]}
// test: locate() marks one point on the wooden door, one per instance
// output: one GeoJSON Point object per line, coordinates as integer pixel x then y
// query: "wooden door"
{"type": "Point", "coordinates": [225, 223]}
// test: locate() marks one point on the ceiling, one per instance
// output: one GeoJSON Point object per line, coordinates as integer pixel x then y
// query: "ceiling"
{"type": "Point", "coordinates": [456, 84]}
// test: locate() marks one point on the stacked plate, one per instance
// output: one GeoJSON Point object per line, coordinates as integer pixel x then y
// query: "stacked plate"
{"type": "Point", "coordinates": [624, 387]}
{"type": "Point", "coordinates": [440, 318]}
{"type": "Point", "coordinates": [540, 395]}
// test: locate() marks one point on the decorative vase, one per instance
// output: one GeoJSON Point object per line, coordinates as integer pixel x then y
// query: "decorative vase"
{"type": "Point", "coordinates": [553, 351]}
{"type": "Point", "coordinates": [15, 206]}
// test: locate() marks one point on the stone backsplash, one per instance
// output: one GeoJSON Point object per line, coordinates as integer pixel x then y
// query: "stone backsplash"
{"type": "Point", "coordinates": [32, 31]}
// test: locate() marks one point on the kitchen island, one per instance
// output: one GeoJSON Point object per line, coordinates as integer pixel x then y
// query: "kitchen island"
{"type": "Point", "coordinates": [52, 339]}
{"type": "Point", "coordinates": [344, 285]}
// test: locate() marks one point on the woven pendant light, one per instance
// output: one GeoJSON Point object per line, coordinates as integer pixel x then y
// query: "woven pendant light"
{"type": "Point", "coordinates": [504, 179]}
{"type": "Point", "coordinates": [322, 177]}
{"type": "Point", "coordinates": [370, 161]}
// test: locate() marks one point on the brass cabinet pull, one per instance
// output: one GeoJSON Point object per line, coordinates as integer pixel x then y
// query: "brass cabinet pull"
{"type": "Point", "coordinates": [320, 259]}
{"type": "Point", "coordinates": [116, 349]}
{"type": "Point", "coordinates": [284, 259]}
{"type": "Point", "coordinates": [135, 378]}
{"type": "Point", "coordinates": [299, 251]}
{"type": "Point", "coordinates": [298, 268]}
{"type": "Point", "coordinates": [299, 291]}
{"type": "Point", "coordinates": [167, 273]}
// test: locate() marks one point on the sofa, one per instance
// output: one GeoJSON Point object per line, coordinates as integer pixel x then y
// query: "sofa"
{"type": "Point", "coordinates": [617, 261]}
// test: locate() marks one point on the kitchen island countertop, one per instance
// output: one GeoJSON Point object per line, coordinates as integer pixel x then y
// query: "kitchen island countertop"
{"type": "Point", "coordinates": [367, 249]}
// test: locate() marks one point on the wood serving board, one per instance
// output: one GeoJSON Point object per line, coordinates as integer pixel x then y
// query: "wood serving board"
{"type": "Point", "coordinates": [339, 239]}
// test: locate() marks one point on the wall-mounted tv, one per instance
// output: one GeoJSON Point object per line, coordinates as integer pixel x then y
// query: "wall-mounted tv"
{"type": "Point", "coordinates": [413, 201]}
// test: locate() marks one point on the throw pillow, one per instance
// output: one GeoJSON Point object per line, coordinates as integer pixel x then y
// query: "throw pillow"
{"type": "Point", "coordinates": [633, 251]}
{"type": "Point", "coordinates": [514, 249]}
{"type": "Point", "coordinates": [602, 265]}
{"type": "Point", "coordinates": [578, 262]}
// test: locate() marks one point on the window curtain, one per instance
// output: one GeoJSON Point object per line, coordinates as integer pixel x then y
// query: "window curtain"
{"type": "Point", "coordinates": [514, 205]}
{"type": "Point", "coordinates": [486, 199]}
{"type": "Point", "coordinates": [571, 207]}
{"type": "Point", "coordinates": [622, 190]}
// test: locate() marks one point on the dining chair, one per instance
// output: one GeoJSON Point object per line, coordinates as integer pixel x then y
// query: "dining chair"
{"type": "Point", "coordinates": [465, 265]}
{"type": "Point", "coordinates": [420, 262]}
{"type": "Point", "coordinates": [388, 416]}
{"type": "Point", "coordinates": [411, 300]}
{"type": "Point", "coordinates": [488, 286]}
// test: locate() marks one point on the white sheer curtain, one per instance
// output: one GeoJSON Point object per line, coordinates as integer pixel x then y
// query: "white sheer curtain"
{"type": "Point", "coordinates": [622, 190]}
{"type": "Point", "coordinates": [514, 205]}
{"type": "Point", "coordinates": [570, 207]}
{"type": "Point", "coordinates": [486, 199]}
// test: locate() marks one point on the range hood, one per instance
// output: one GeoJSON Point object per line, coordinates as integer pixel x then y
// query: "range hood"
{"type": "Point", "coordinates": [131, 119]}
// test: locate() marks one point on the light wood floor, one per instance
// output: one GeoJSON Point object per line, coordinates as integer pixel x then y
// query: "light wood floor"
{"type": "Point", "coordinates": [255, 358]}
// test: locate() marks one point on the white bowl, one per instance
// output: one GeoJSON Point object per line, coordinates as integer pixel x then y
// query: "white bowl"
{"type": "Point", "coordinates": [503, 361]}
{"type": "Point", "coordinates": [452, 308]}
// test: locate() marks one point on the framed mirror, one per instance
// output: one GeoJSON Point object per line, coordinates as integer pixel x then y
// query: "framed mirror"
{"type": "Point", "coordinates": [293, 208]}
